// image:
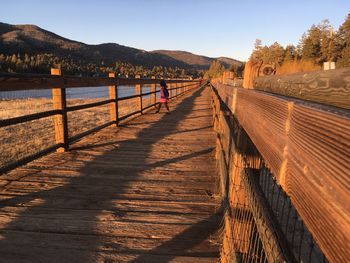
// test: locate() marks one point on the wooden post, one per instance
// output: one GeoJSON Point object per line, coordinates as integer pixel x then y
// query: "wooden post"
{"type": "Point", "coordinates": [61, 122]}
{"type": "Point", "coordinates": [113, 95]}
{"type": "Point", "coordinates": [154, 89]}
{"type": "Point", "coordinates": [175, 90]}
{"type": "Point", "coordinates": [138, 88]}
{"type": "Point", "coordinates": [170, 85]}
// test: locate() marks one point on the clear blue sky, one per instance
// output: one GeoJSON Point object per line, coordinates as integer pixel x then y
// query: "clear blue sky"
{"type": "Point", "coordinates": [207, 27]}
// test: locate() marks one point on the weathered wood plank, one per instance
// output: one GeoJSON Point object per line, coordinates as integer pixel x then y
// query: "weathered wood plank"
{"type": "Point", "coordinates": [330, 87]}
{"type": "Point", "coordinates": [11, 82]}
{"type": "Point", "coordinates": [110, 244]}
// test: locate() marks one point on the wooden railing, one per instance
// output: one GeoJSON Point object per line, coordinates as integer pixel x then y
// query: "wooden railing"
{"type": "Point", "coordinates": [58, 84]}
{"type": "Point", "coordinates": [331, 87]}
{"type": "Point", "coordinates": [306, 146]}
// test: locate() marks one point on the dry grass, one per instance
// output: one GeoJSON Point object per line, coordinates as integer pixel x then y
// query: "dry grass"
{"type": "Point", "coordinates": [25, 139]}
{"type": "Point", "coordinates": [297, 66]}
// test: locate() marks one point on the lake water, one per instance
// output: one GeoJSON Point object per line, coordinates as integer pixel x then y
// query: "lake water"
{"type": "Point", "coordinates": [73, 93]}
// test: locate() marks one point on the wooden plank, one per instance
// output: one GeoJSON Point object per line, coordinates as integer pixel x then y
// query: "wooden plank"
{"type": "Point", "coordinates": [11, 82]}
{"type": "Point", "coordinates": [330, 87]}
{"type": "Point", "coordinates": [61, 120]}
{"type": "Point", "coordinates": [89, 105]}
{"type": "Point", "coordinates": [138, 91]}
{"type": "Point", "coordinates": [26, 118]}
{"type": "Point", "coordinates": [153, 90]}
{"type": "Point", "coordinates": [306, 145]}
{"type": "Point", "coordinates": [58, 255]}
{"type": "Point", "coordinates": [264, 118]}
{"type": "Point", "coordinates": [113, 96]}
{"type": "Point", "coordinates": [119, 244]}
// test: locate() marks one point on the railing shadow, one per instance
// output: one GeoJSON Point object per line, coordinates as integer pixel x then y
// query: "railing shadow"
{"type": "Point", "coordinates": [35, 234]}
{"type": "Point", "coordinates": [211, 224]}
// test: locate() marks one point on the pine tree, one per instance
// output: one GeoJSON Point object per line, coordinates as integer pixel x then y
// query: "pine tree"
{"type": "Point", "coordinates": [311, 44]}
{"type": "Point", "coordinates": [257, 52]}
{"type": "Point", "coordinates": [277, 54]}
{"type": "Point", "coordinates": [215, 70]}
{"type": "Point", "coordinates": [290, 53]}
{"type": "Point", "coordinates": [343, 43]}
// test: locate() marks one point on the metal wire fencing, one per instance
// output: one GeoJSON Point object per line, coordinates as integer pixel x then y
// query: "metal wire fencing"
{"type": "Point", "coordinates": [23, 139]}
{"type": "Point", "coordinates": [300, 241]}
{"type": "Point", "coordinates": [86, 119]}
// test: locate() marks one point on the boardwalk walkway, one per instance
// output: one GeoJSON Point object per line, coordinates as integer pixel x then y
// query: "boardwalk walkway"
{"type": "Point", "coordinates": [140, 193]}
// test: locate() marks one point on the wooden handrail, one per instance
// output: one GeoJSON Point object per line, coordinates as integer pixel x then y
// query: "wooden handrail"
{"type": "Point", "coordinates": [307, 147]}
{"type": "Point", "coordinates": [331, 87]}
{"type": "Point", "coordinates": [89, 105]}
{"type": "Point", "coordinates": [12, 82]}
{"type": "Point", "coordinates": [26, 118]}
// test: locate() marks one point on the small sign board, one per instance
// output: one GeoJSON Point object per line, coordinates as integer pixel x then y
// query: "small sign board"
{"type": "Point", "coordinates": [328, 65]}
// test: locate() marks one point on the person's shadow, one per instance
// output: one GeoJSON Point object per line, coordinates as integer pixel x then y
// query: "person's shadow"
{"type": "Point", "coordinates": [84, 219]}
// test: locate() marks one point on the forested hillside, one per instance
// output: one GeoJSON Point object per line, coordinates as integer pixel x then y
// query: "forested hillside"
{"type": "Point", "coordinates": [31, 49]}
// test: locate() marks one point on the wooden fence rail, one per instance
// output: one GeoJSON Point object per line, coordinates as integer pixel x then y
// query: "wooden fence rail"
{"type": "Point", "coordinates": [331, 87]}
{"type": "Point", "coordinates": [58, 85]}
{"type": "Point", "coordinates": [307, 147]}
{"type": "Point", "coordinates": [12, 82]}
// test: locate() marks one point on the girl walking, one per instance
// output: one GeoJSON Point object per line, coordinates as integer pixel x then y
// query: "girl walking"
{"type": "Point", "coordinates": [164, 96]}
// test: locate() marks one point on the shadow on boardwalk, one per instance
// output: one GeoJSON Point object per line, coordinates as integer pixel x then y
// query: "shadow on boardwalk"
{"type": "Point", "coordinates": [73, 223]}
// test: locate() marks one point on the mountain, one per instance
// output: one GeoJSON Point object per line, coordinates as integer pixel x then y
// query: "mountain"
{"type": "Point", "coordinates": [197, 61]}
{"type": "Point", "coordinates": [32, 39]}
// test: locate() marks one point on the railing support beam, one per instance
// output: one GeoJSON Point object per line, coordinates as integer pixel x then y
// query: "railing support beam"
{"type": "Point", "coordinates": [138, 88]}
{"type": "Point", "coordinates": [113, 95]}
{"type": "Point", "coordinates": [154, 89]}
{"type": "Point", "coordinates": [61, 120]}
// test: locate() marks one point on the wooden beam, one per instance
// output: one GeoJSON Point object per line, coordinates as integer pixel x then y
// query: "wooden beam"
{"type": "Point", "coordinates": [138, 90]}
{"type": "Point", "coordinates": [12, 82]}
{"type": "Point", "coordinates": [61, 121]}
{"type": "Point", "coordinates": [113, 95]}
{"type": "Point", "coordinates": [88, 105]}
{"type": "Point", "coordinates": [331, 87]}
{"type": "Point", "coordinates": [153, 89]}
{"type": "Point", "coordinates": [176, 89]}
{"type": "Point", "coordinates": [26, 118]}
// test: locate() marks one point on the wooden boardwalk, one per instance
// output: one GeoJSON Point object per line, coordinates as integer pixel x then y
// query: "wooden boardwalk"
{"type": "Point", "coordinates": [140, 193]}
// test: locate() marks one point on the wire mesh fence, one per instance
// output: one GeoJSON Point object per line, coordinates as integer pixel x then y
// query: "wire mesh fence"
{"type": "Point", "coordinates": [24, 139]}
{"type": "Point", "coordinates": [21, 140]}
{"type": "Point", "coordinates": [300, 241]}
{"type": "Point", "coordinates": [147, 100]}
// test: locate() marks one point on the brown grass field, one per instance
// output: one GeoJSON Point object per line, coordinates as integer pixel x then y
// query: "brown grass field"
{"type": "Point", "coordinates": [21, 140]}
{"type": "Point", "coordinates": [297, 66]}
